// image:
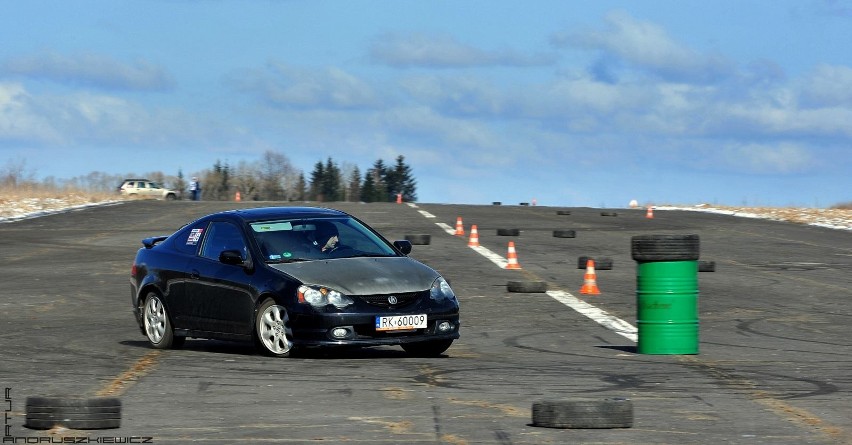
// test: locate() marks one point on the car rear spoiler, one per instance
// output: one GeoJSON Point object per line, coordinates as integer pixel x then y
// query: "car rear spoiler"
{"type": "Point", "coordinates": [152, 241]}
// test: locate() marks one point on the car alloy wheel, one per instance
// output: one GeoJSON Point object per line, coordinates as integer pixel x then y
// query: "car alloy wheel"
{"type": "Point", "coordinates": [158, 328]}
{"type": "Point", "coordinates": [273, 329]}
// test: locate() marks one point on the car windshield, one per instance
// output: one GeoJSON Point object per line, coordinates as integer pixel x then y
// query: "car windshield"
{"type": "Point", "coordinates": [292, 240]}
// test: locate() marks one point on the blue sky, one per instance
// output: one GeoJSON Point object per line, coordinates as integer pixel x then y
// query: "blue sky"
{"type": "Point", "coordinates": [567, 103]}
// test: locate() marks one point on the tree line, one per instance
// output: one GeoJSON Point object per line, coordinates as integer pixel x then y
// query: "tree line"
{"type": "Point", "coordinates": [271, 178]}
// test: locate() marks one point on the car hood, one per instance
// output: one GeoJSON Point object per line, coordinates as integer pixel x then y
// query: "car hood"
{"type": "Point", "coordinates": [363, 276]}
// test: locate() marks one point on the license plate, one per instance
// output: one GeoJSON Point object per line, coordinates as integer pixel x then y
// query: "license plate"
{"type": "Point", "coordinates": [401, 322]}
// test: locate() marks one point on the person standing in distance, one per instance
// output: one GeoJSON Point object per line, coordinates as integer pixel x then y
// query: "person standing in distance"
{"type": "Point", "coordinates": [195, 189]}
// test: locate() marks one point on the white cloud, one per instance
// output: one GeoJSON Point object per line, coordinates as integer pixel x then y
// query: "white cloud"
{"type": "Point", "coordinates": [828, 86]}
{"type": "Point", "coordinates": [647, 46]}
{"type": "Point", "coordinates": [441, 51]}
{"type": "Point", "coordinates": [91, 70]}
{"type": "Point", "coordinates": [781, 158]}
{"type": "Point", "coordinates": [287, 86]}
{"type": "Point", "coordinates": [83, 118]}
{"type": "Point", "coordinates": [21, 119]}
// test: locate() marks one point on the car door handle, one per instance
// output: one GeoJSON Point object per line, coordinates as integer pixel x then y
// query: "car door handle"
{"type": "Point", "coordinates": [195, 275]}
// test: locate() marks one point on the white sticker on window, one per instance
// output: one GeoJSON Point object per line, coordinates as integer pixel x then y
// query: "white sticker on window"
{"type": "Point", "coordinates": [194, 236]}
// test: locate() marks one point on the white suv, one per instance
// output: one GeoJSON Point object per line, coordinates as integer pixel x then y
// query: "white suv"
{"type": "Point", "coordinates": [143, 188]}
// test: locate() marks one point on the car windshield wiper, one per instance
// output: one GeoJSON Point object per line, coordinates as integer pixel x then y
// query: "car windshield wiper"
{"type": "Point", "coordinates": [286, 260]}
{"type": "Point", "coordinates": [371, 255]}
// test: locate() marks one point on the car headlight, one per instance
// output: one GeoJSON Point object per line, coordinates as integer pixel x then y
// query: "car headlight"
{"type": "Point", "coordinates": [441, 290]}
{"type": "Point", "coordinates": [319, 296]}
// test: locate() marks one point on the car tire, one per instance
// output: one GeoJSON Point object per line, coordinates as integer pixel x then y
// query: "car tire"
{"type": "Point", "coordinates": [583, 413]}
{"type": "Point", "coordinates": [600, 263]}
{"type": "Point", "coordinates": [431, 348]}
{"type": "Point", "coordinates": [563, 212]}
{"type": "Point", "coordinates": [273, 334]}
{"type": "Point", "coordinates": [157, 324]}
{"type": "Point", "coordinates": [508, 232]}
{"type": "Point", "coordinates": [171, 197]}
{"type": "Point", "coordinates": [652, 248]}
{"type": "Point", "coordinates": [564, 234]}
{"type": "Point", "coordinates": [43, 413]}
{"type": "Point", "coordinates": [609, 213]}
{"type": "Point", "coordinates": [532, 287]}
{"type": "Point", "coordinates": [421, 240]}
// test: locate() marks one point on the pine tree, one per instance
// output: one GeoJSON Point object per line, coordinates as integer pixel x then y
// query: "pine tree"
{"type": "Point", "coordinates": [405, 183]}
{"type": "Point", "coordinates": [301, 188]}
{"type": "Point", "coordinates": [355, 186]}
{"type": "Point", "coordinates": [368, 190]}
{"type": "Point", "coordinates": [380, 188]}
{"type": "Point", "coordinates": [331, 183]}
{"type": "Point", "coordinates": [315, 191]}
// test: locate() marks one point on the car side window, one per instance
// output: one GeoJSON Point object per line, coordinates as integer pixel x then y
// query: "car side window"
{"type": "Point", "coordinates": [188, 239]}
{"type": "Point", "coordinates": [222, 236]}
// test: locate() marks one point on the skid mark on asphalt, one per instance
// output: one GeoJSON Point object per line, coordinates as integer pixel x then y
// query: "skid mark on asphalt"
{"type": "Point", "coordinates": [395, 426]}
{"type": "Point", "coordinates": [506, 410]}
{"type": "Point", "coordinates": [799, 416]}
{"type": "Point", "coordinates": [128, 378]}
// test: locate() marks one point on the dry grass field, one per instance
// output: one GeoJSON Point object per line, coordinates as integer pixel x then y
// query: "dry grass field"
{"type": "Point", "coordinates": [26, 201]}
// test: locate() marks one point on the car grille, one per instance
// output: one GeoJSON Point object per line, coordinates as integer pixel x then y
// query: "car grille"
{"type": "Point", "coordinates": [381, 300]}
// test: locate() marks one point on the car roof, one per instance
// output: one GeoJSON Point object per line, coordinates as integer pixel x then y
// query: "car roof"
{"type": "Point", "coordinates": [270, 213]}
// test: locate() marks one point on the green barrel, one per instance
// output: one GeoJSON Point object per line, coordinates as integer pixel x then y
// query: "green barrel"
{"type": "Point", "coordinates": [666, 293]}
{"type": "Point", "coordinates": [667, 307]}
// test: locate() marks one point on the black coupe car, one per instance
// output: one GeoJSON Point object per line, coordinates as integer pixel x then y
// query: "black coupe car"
{"type": "Point", "coordinates": [288, 278]}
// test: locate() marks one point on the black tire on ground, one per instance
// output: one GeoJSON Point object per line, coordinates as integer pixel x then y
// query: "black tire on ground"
{"type": "Point", "coordinates": [583, 413]}
{"type": "Point", "coordinates": [74, 413]}
{"type": "Point", "coordinates": [564, 234]}
{"type": "Point", "coordinates": [497, 203]}
{"type": "Point", "coordinates": [527, 286]}
{"type": "Point", "coordinates": [419, 239]}
{"type": "Point", "coordinates": [707, 266]}
{"type": "Point", "coordinates": [609, 214]}
{"type": "Point", "coordinates": [508, 232]}
{"type": "Point", "coordinates": [563, 212]}
{"type": "Point", "coordinates": [600, 263]}
{"type": "Point", "coordinates": [648, 248]}
{"type": "Point", "coordinates": [432, 348]}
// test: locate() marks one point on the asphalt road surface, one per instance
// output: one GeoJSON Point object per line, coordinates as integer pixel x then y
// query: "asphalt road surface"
{"type": "Point", "coordinates": [773, 368]}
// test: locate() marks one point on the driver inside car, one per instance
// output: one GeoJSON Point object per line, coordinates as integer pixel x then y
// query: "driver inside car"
{"type": "Point", "coordinates": [326, 237]}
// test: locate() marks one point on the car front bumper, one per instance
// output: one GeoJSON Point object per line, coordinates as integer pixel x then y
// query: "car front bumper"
{"type": "Point", "coordinates": [360, 330]}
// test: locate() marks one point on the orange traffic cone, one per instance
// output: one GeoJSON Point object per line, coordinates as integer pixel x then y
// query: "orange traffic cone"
{"type": "Point", "coordinates": [650, 213]}
{"type": "Point", "coordinates": [474, 237]}
{"type": "Point", "coordinates": [459, 227]}
{"type": "Point", "coordinates": [399, 198]}
{"type": "Point", "coordinates": [590, 283]}
{"type": "Point", "coordinates": [237, 197]}
{"type": "Point", "coordinates": [513, 257]}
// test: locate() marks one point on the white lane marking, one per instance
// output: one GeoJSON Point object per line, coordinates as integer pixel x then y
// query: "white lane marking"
{"type": "Point", "coordinates": [598, 315]}
{"type": "Point", "coordinates": [447, 228]}
{"type": "Point", "coordinates": [496, 259]}
{"type": "Point", "coordinates": [426, 214]}
{"type": "Point", "coordinates": [412, 205]}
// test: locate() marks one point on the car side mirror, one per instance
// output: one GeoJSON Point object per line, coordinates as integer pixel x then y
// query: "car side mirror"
{"type": "Point", "coordinates": [404, 246]}
{"type": "Point", "coordinates": [232, 257]}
